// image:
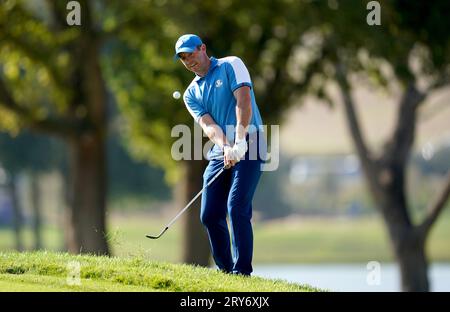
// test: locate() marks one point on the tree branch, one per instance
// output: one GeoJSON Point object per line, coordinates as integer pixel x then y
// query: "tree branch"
{"type": "Point", "coordinates": [369, 163]}
{"type": "Point", "coordinates": [435, 208]}
{"type": "Point", "coordinates": [399, 146]}
{"type": "Point", "coordinates": [355, 129]}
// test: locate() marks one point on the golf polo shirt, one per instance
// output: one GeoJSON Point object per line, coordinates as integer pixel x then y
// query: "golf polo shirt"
{"type": "Point", "coordinates": [213, 94]}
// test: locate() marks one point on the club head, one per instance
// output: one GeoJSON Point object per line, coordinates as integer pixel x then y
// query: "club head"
{"type": "Point", "coordinates": [156, 237]}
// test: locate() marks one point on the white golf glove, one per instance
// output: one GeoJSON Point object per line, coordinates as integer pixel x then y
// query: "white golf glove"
{"type": "Point", "coordinates": [239, 149]}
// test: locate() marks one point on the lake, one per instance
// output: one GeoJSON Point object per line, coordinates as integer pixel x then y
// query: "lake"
{"type": "Point", "coordinates": [352, 277]}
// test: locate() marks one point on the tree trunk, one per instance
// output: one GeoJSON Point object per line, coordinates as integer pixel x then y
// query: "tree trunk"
{"type": "Point", "coordinates": [409, 251]}
{"type": "Point", "coordinates": [17, 212]}
{"type": "Point", "coordinates": [86, 231]}
{"type": "Point", "coordinates": [196, 244]}
{"type": "Point", "coordinates": [413, 266]}
{"type": "Point", "coordinates": [408, 245]}
{"type": "Point", "coordinates": [406, 240]}
{"type": "Point", "coordinates": [36, 207]}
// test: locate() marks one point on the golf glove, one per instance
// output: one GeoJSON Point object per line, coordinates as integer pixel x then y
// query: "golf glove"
{"type": "Point", "coordinates": [239, 149]}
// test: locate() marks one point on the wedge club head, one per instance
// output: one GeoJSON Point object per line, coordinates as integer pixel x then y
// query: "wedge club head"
{"type": "Point", "coordinates": [160, 234]}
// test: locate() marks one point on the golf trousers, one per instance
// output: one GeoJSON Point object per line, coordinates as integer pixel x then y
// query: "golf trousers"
{"type": "Point", "coordinates": [231, 194]}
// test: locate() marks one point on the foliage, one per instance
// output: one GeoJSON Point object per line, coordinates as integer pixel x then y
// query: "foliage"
{"type": "Point", "coordinates": [410, 44]}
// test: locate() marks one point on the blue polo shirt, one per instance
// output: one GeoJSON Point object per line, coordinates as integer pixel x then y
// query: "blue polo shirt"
{"type": "Point", "coordinates": [213, 95]}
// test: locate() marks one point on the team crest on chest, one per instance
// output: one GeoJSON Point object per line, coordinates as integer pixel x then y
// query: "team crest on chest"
{"type": "Point", "coordinates": [218, 83]}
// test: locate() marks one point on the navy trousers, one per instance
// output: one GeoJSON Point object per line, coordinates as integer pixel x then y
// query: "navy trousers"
{"type": "Point", "coordinates": [231, 194]}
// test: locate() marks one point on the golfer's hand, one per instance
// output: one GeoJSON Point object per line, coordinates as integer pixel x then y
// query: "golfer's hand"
{"type": "Point", "coordinates": [239, 149]}
{"type": "Point", "coordinates": [229, 159]}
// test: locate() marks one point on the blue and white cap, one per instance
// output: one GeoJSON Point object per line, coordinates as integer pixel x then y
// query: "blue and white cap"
{"type": "Point", "coordinates": [187, 43]}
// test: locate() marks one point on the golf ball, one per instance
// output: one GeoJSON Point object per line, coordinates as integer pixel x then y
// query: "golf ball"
{"type": "Point", "coordinates": [176, 95]}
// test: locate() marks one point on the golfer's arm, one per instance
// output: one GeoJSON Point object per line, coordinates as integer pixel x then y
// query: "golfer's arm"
{"type": "Point", "coordinates": [243, 110]}
{"type": "Point", "coordinates": [213, 131]}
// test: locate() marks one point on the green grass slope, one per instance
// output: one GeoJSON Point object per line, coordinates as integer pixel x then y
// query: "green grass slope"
{"type": "Point", "coordinates": [50, 271]}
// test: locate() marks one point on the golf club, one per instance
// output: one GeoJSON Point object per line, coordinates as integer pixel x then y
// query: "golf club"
{"type": "Point", "coordinates": [187, 206]}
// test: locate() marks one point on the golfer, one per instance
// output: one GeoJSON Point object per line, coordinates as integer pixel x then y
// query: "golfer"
{"type": "Point", "coordinates": [221, 100]}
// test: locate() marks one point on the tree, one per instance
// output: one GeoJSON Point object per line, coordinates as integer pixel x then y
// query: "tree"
{"type": "Point", "coordinates": [42, 53]}
{"type": "Point", "coordinates": [52, 81]}
{"type": "Point", "coordinates": [413, 44]}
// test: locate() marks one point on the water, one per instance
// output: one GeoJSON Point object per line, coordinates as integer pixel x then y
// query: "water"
{"type": "Point", "coordinates": [352, 277]}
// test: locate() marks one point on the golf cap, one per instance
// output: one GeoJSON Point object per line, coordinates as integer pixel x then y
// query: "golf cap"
{"type": "Point", "coordinates": [187, 43]}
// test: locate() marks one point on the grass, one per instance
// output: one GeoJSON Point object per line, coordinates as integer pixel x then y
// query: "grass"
{"type": "Point", "coordinates": [304, 240]}
{"type": "Point", "coordinates": [51, 271]}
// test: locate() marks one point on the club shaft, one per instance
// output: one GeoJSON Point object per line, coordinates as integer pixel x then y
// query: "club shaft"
{"type": "Point", "coordinates": [196, 196]}
{"type": "Point", "coordinates": [192, 200]}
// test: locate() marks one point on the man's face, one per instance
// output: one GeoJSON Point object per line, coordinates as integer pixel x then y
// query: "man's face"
{"type": "Point", "coordinates": [196, 61]}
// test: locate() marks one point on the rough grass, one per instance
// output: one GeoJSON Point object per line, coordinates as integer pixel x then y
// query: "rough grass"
{"type": "Point", "coordinates": [50, 271]}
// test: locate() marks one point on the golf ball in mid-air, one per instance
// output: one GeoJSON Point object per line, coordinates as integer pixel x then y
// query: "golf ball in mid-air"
{"type": "Point", "coordinates": [176, 95]}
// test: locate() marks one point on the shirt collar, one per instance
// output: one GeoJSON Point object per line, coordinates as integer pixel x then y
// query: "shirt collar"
{"type": "Point", "coordinates": [212, 65]}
